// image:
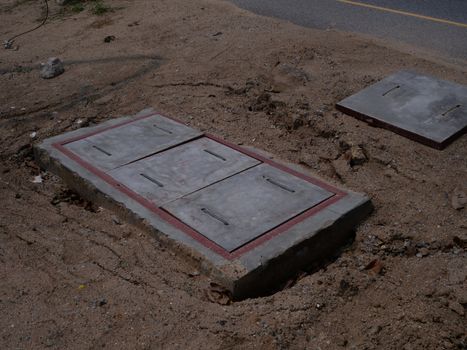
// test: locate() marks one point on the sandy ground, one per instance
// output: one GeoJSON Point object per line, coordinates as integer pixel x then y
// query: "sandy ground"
{"type": "Point", "coordinates": [75, 277]}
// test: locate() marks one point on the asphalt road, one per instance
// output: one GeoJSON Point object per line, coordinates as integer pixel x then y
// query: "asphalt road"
{"type": "Point", "coordinates": [437, 25]}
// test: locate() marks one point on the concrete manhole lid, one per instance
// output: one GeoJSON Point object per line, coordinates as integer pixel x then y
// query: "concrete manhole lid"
{"type": "Point", "coordinates": [236, 211]}
{"type": "Point", "coordinates": [118, 146]}
{"type": "Point", "coordinates": [182, 170]}
{"type": "Point", "coordinates": [239, 211]}
{"type": "Point", "coordinates": [423, 108]}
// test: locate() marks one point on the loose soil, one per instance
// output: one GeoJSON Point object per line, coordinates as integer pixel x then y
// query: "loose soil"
{"type": "Point", "coordinates": [75, 276]}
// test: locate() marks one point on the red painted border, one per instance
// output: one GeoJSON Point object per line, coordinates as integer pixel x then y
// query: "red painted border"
{"type": "Point", "coordinates": [172, 220]}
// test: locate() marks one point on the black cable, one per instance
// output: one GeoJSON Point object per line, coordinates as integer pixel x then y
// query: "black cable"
{"type": "Point", "coordinates": [10, 41]}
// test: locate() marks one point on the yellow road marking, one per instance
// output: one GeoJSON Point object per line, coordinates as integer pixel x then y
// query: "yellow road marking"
{"type": "Point", "coordinates": [404, 13]}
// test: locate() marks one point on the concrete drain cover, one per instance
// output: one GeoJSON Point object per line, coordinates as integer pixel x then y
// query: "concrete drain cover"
{"type": "Point", "coordinates": [248, 221]}
{"type": "Point", "coordinates": [131, 141]}
{"type": "Point", "coordinates": [234, 212]}
{"type": "Point", "coordinates": [182, 170]}
{"type": "Point", "coordinates": [426, 109]}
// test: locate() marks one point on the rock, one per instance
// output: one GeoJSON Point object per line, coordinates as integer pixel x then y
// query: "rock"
{"type": "Point", "coordinates": [218, 294]}
{"type": "Point", "coordinates": [109, 38]}
{"type": "Point", "coordinates": [456, 307]}
{"type": "Point", "coordinates": [297, 121]}
{"type": "Point", "coordinates": [319, 306]}
{"type": "Point", "coordinates": [375, 330]}
{"type": "Point", "coordinates": [462, 297]}
{"type": "Point", "coordinates": [99, 302]}
{"type": "Point", "coordinates": [458, 199]}
{"type": "Point", "coordinates": [347, 289]}
{"type": "Point", "coordinates": [116, 220]}
{"type": "Point", "coordinates": [341, 167]}
{"type": "Point", "coordinates": [37, 179]}
{"type": "Point", "coordinates": [51, 69]}
{"type": "Point", "coordinates": [355, 156]}
{"type": "Point", "coordinates": [8, 44]}
{"type": "Point", "coordinates": [410, 249]}
{"type": "Point", "coordinates": [461, 242]}
{"type": "Point", "coordinates": [194, 273]}
{"type": "Point", "coordinates": [375, 267]}
{"type": "Point", "coordinates": [422, 252]}
{"type": "Point", "coordinates": [308, 159]}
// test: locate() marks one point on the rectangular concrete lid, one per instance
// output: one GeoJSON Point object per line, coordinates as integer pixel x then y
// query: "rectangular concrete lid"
{"type": "Point", "coordinates": [124, 144]}
{"type": "Point", "coordinates": [431, 108]}
{"type": "Point", "coordinates": [179, 171]}
{"type": "Point", "coordinates": [243, 207]}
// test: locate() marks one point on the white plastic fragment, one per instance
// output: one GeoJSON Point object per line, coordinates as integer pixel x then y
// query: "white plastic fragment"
{"type": "Point", "coordinates": [37, 179]}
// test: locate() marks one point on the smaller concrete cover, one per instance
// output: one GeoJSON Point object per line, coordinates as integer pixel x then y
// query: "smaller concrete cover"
{"type": "Point", "coordinates": [246, 220]}
{"type": "Point", "coordinates": [423, 108]}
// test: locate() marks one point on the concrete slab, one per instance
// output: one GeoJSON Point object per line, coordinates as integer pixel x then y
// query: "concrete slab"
{"type": "Point", "coordinates": [243, 218]}
{"type": "Point", "coordinates": [182, 170]}
{"type": "Point", "coordinates": [423, 108]}
{"type": "Point", "coordinates": [132, 141]}
{"type": "Point", "coordinates": [234, 212]}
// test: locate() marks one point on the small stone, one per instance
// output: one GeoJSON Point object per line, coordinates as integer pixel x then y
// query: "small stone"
{"type": "Point", "coordinates": [297, 121]}
{"type": "Point", "coordinates": [457, 307]}
{"type": "Point", "coordinates": [341, 167]}
{"type": "Point", "coordinates": [109, 38]}
{"type": "Point", "coordinates": [116, 220]}
{"type": "Point", "coordinates": [37, 179]}
{"type": "Point", "coordinates": [33, 135]}
{"type": "Point", "coordinates": [51, 69]}
{"type": "Point", "coordinates": [194, 273]}
{"type": "Point", "coordinates": [389, 172]}
{"type": "Point", "coordinates": [8, 44]}
{"type": "Point", "coordinates": [375, 267]}
{"type": "Point", "coordinates": [356, 156]}
{"type": "Point", "coordinates": [422, 252]}
{"type": "Point", "coordinates": [458, 199]}
{"type": "Point", "coordinates": [99, 303]}
{"type": "Point", "coordinates": [375, 330]}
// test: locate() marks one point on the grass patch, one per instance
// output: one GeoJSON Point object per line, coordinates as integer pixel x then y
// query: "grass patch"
{"type": "Point", "coordinates": [96, 7]}
{"type": "Point", "coordinates": [99, 8]}
{"type": "Point", "coordinates": [76, 8]}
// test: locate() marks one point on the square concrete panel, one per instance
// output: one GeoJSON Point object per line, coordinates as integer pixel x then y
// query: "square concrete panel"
{"type": "Point", "coordinates": [240, 216]}
{"type": "Point", "coordinates": [241, 208]}
{"type": "Point", "coordinates": [423, 108]}
{"type": "Point", "coordinates": [181, 170]}
{"type": "Point", "coordinates": [118, 146]}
